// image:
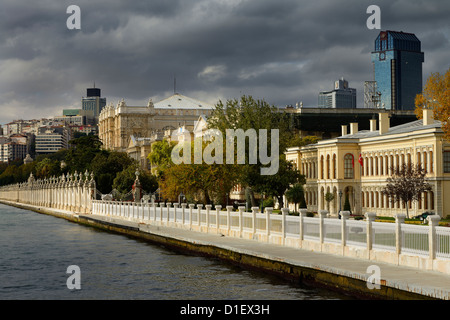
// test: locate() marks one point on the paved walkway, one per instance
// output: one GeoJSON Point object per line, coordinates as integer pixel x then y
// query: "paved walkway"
{"type": "Point", "coordinates": [428, 283]}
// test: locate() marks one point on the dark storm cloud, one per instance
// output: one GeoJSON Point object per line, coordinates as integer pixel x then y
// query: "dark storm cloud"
{"type": "Point", "coordinates": [283, 51]}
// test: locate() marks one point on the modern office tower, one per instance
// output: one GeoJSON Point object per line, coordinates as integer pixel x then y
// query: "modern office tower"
{"type": "Point", "coordinates": [93, 104]}
{"type": "Point", "coordinates": [397, 62]}
{"type": "Point", "coordinates": [342, 97]}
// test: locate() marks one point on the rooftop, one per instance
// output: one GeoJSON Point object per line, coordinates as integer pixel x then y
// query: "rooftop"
{"type": "Point", "coordinates": [179, 101]}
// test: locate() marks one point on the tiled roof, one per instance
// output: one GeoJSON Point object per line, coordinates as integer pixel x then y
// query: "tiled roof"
{"type": "Point", "coordinates": [403, 128]}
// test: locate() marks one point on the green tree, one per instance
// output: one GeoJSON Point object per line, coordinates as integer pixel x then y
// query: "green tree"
{"type": "Point", "coordinates": [84, 149]}
{"type": "Point", "coordinates": [328, 198]}
{"type": "Point", "coordinates": [296, 195]}
{"type": "Point", "coordinates": [161, 156]}
{"type": "Point", "coordinates": [106, 166]}
{"type": "Point", "coordinates": [125, 179]}
{"type": "Point", "coordinates": [248, 113]}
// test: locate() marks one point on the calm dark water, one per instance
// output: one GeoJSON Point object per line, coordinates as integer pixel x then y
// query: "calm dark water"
{"type": "Point", "coordinates": [36, 251]}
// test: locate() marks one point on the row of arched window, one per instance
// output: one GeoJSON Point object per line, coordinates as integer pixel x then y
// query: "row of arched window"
{"type": "Point", "coordinates": [377, 165]}
{"type": "Point", "coordinates": [384, 165]}
{"type": "Point", "coordinates": [328, 166]}
{"type": "Point", "coordinates": [376, 199]}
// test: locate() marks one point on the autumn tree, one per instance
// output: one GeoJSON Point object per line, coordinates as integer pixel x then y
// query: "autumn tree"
{"type": "Point", "coordinates": [406, 184]}
{"type": "Point", "coordinates": [436, 96]}
{"type": "Point", "coordinates": [249, 113]}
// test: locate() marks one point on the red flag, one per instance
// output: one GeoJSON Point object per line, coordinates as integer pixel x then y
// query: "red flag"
{"type": "Point", "coordinates": [360, 160]}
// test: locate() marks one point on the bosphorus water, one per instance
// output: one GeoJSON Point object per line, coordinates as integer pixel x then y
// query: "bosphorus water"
{"type": "Point", "coordinates": [37, 249]}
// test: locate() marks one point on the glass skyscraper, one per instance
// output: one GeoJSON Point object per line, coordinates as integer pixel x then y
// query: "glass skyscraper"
{"type": "Point", "coordinates": [93, 104]}
{"type": "Point", "coordinates": [397, 62]}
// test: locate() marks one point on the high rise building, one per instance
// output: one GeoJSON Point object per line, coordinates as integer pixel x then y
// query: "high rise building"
{"type": "Point", "coordinates": [342, 97]}
{"type": "Point", "coordinates": [93, 104]}
{"type": "Point", "coordinates": [397, 62]}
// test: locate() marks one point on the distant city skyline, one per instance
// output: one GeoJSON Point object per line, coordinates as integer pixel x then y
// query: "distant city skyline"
{"type": "Point", "coordinates": [281, 51]}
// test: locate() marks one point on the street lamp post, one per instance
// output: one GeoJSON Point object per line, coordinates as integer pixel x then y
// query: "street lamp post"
{"type": "Point", "coordinates": [340, 203]}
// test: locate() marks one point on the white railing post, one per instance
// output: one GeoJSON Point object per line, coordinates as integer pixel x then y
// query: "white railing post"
{"type": "Point", "coordinates": [254, 211]}
{"type": "Point", "coordinates": [208, 208]}
{"type": "Point", "coordinates": [344, 218]}
{"type": "Point", "coordinates": [370, 217]}
{"type": "Point", "coordinates": [268, 226]}
{"type": "Point", "coordinates": [284, 212]}
{"type": "Point", "coordinates": [175, 206]}
{"type": "Point", "coordinates": [191, 208]}
{"type": "Point", "coordinates": [322, 215]}
{"type": "Point", "coordinates": [229, 208]}
{"type": "Point", "coordinates": [433, 221]}
{"type": "Point", "coordinates": [154, 210]}
{"type": "Point", "coordinates": [301, 215]}
{"type": "Point", "coordinates": [218, 208]}
{"type": "Point", "coordinates": [183, 211]}
{"type": "Point", "coordinates": [161, 206]}
{"type": "Point", "coordinates": [399, 219]}
{"type": "Point", "coordinates": [168, 212]}
{"type": "Point", "coordinates": [241, 211]}
{"type": "Point", "coordinates": [199, 207]}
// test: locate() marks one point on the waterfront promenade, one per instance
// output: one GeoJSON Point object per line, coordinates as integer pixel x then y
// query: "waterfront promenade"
{"type": "Point", "coordinates": [341, 273]}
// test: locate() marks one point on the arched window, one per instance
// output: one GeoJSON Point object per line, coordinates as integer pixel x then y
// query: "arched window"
{"type": "Point", "coordinates": [431, 162]}
{"type": "Point", "coordinates": [328, 166]}
{"type": "Point", "coordinates": [334, 166]}
{"type": "Point", "coordinates": [348, 166]}
{"type": "Point", "coordinates": [321, 167]}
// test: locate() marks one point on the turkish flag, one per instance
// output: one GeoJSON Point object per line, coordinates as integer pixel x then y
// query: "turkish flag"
{"type": "Point", "coordinates": [360, 160]}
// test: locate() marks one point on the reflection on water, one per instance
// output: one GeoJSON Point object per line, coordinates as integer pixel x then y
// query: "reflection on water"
{"type": "Point", "coordinates": [37, 249]}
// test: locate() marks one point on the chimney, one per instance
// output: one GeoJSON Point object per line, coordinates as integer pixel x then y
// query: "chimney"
{"type": "Point", "coordinates": [344, 131]}
{"type": "Point", "coordinates": [427, 117]}
{"type": "Point", "coordinates": [373, 124]}
{"type": "Point", "coordinates": [384, 122]}
{"type": "Point", "coordinates": [353, 127]}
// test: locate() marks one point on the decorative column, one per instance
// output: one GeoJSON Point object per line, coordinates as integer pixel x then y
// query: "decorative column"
{"type": "Point", "coordinates": [137, 189]}
{"type": "Point", "coordinates": [92, 193]}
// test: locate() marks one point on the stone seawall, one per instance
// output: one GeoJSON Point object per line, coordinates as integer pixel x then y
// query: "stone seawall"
{"type": "Point", "coordinates": [341, 274]}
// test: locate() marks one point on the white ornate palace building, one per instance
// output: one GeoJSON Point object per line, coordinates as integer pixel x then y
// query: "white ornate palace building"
{"type": "Point", "coordinates": [357, 164]}
{"type": "Point", "coordinates": [133, 129]}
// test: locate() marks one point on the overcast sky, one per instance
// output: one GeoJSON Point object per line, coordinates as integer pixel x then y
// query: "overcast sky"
{"type": "Point", "coordinates": [282, 51]}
